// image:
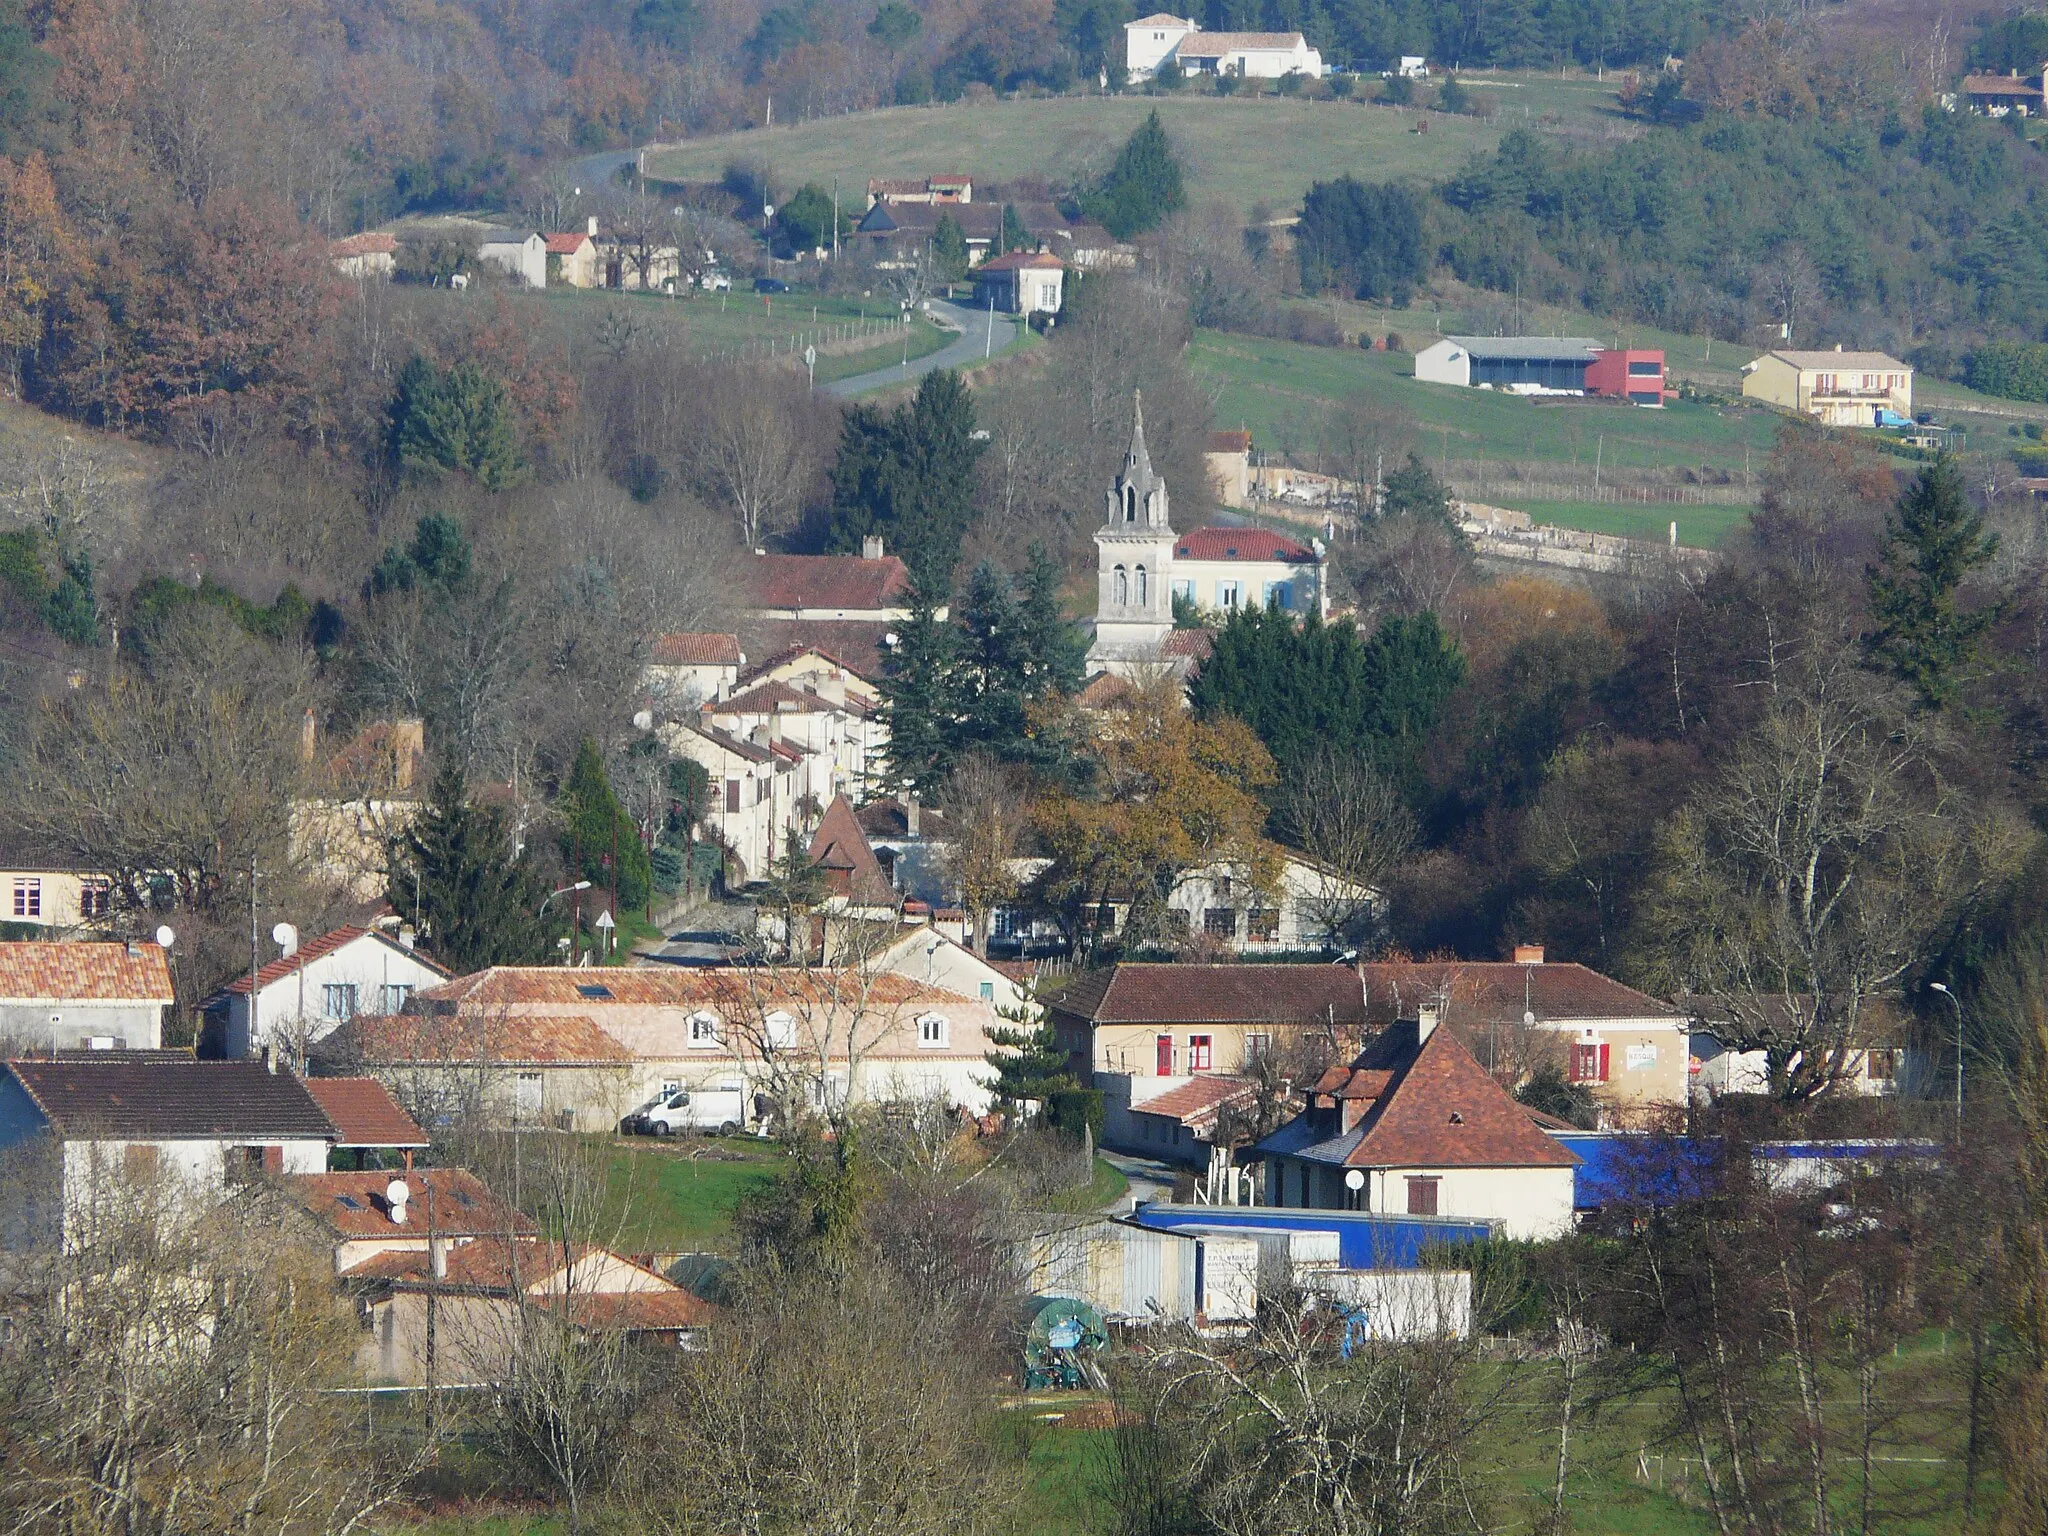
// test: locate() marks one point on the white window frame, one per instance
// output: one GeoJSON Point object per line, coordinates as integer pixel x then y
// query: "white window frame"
{"type": "Point", "coordinates": [704, 1032]}
{"type": "Point", "coordinates": [339, 1000]}
{"type": "Point", "coordinates": [396, 994]}
{"type": "Point", "coordinates": [28, 897]}
{"type": "Point", "coordinates": [779, 1030]}
{"type": "Point", "coordinates": [934, 1031]}
{"type": "Point", "coordinates": [1226, 596]}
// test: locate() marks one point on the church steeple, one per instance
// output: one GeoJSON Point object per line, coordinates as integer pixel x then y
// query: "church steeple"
{"type": "Point", "coordinates": [1138, 498]}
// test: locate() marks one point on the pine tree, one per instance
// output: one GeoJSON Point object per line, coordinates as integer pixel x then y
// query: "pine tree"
{"type": "Point", "coordinates": [1143, 187]}
{"type": "Point", "coordinates": [1056, 648]}
{"type": "Point", "coordinates": [1031, 1063]}
{"type": "Point", "coordinates": [949, 249]}
{"type": "Point", "coordinates": [1932, 541]}
{"type": "Point", "coordinates": [455, 420]}
{"type": "Point", "coordinates": [920, 690]}
{"type": "Point", "coordinates": [477, 905]}
{"type": "Point", "coordinates": [909, 475]}
{"type": "Point", "coordinates": [1015, 236]}
{"type": "Point", "coordinates": [994, 661]}
{"type": "Point", "coordinates": [594, 823]}
{"type": "Point", "coordinates": [1413, 491]}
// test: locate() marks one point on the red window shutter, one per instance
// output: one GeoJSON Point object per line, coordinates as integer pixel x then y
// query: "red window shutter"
{"type": "Point", "coordinates": [1164, 1064]}
{"type": "Point", "coordinates": [1603, 1063]}
{"type": "Point", "coordinates": [732, 795]}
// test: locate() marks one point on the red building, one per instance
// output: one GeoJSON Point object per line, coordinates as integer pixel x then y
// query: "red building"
{"type": "Point", "coordinates": [1634, 374]}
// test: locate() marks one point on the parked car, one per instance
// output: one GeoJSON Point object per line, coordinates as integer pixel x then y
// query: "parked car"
{"type": "Point", "coordinates": [722, 1109]}
{"type": "Point", "coordinates": [715, 281]}
{"type": "Point", "coordinates": [770, 285]}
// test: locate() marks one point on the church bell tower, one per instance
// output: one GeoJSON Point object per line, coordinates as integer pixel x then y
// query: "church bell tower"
{"type": "Point", "coordinates": [1134, 562]}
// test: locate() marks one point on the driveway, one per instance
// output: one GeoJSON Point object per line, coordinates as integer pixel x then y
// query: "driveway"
{"type": "Point", "coordinates": [979, 338]}
{"type": "Point", "coordinates": [1150, 1179]}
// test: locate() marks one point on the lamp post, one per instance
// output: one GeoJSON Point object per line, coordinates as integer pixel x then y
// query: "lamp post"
{"type": "Point", "coordinates": [1942, 988]}
{"type": "Point", "coordinates": [580, 885]}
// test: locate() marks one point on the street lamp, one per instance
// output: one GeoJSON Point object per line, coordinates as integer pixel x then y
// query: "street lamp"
{"type": "Point", "coordinates": [1942, 988]}
{"type": "Point", "coordinates": [580, 885]}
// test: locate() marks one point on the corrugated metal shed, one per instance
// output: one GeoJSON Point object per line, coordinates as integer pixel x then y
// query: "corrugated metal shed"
{"type": "Point", "coordinates": [1365, 1240]}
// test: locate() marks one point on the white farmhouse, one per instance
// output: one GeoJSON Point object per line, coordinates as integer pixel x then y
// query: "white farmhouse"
{"type": "Point", "coordinates": [520, 254]}
{"type": "Point", "coordinates": [317, 987]}
{"type": "Point", "coordinates": [1153, 41]}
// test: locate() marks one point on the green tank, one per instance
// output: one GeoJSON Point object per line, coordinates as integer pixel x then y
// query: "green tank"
{"type": "Point", "coordinates": [1060, 1342]}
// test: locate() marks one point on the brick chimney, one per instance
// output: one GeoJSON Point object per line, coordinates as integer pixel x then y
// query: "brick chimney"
{"type": "Point", "coordinates": [1528, 954]}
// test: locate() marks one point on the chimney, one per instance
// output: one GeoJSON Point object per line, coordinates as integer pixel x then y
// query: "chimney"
{"type": "Point", "coordinates": [270, 1059]}
{"type": "Point", "coordinates": [407, 936]}
{"type": "Point", "coordinates": [437, 1247]}
{"type": "Point", "coordinates": [911, 813]}
{"type": "Point", "coordinates": [871, 547]}
{"type": "Point", "coordinates": [134, 950]}
{"type": "Point", "coordinates": [1425, 1024]}
{"type": "Point", "coordinates": [591, 225]}
{"type": "Point", "coordinates": [408, 747]}
{"type": "Point", "coordinates": [1528, 954]}
{"type": "Point", "coordinates": [309, 735]}
{"type": "Point", "coordinates": [1838, 346]}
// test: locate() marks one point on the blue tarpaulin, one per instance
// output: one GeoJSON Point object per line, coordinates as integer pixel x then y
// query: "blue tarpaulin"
{"type": "Point", "coordinates": [1365, 1240]}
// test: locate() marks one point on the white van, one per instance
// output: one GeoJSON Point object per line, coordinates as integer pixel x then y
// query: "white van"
{"type": "Point", "coordinates": [722, 1109]}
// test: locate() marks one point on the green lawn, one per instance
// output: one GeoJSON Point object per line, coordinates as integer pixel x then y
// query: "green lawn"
{"type": "Point", "coordinates": [1107, 1186]}
{"type": "Point", "coordinates": [1239, 151]}
{"type": "Point", "coordinates": [663, 1199]}
{"type": "Point", "coordinates": [779, 324]}
{"type": "Point", "coordinates": [1282, 390]}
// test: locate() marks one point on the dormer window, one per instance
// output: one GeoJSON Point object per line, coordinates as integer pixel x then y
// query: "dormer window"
{"type": "Point", "coordinates": [703, 1031]}
{"type": "Point", "coordinates": [781, 1030]}
{"type": "Point", "coordinates": [932, 1032]}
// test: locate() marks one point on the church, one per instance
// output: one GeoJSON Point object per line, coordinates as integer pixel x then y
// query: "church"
{"type": "Point", "coordinates": [1142, 566]}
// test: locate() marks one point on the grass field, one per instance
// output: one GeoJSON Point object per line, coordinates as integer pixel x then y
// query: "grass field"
{"type": "Point", "coordinates": [722, 323]}
{"type": "Point", "coordinates": [1106, 1187]}
{"type": "Point", "coordinates": [1281, 390]}
{"type": "Point", "coordinates": [1698, 527]}
{"type": "Point", "coordinates": [1242, 152]}
{"type": "Point", "coordinates": [662, 1199]}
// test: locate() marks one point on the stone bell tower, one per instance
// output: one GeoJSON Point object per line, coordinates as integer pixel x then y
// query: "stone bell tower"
{"type": "Point", "coordinates": [1134, 562]}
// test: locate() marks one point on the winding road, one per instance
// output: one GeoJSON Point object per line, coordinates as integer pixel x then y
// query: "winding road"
{"type": "Point", "coordinates": [980, 336]}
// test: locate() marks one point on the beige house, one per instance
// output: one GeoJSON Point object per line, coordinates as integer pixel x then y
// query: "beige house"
{"type": "Point", "coordinates": [1228, 459]}
{"type": "Point", "coordinates": [1022, 283]}
{"type": "Point", "coordinates": [573, 259]}
{"type": "Point", "coordinates": [53, 900]}
{"type": "Point", "coordinates": [80, 996]}
{"type": "Point", "coordinates": [581, 1049]}
{"type": "Point", "coordinates": [686, 671]}
{"type": "Point", "coordinates": [373, 254]}
{"type": "Point", "coordinates": [1840, 389]}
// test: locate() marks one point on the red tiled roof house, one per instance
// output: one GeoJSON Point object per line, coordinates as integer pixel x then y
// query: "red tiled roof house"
{"type": "Point", "coordinates": [323, 983]}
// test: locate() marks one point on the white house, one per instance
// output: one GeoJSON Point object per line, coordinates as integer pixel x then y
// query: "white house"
{"type": "Point", "coordinates": [156, 1123]}
{"type": "Point", "coordinates": [69, 996]}
{"type": "Point", "coordinates": [1021, 283]}
{"type": "Point", "coordinates": [931, 959]}
{"type": "Point", "coordinates": [683, 672]}
{"type": "Point", "coordinates": [1415, 1126]}
{"type": "Point", "coordinates": [372, 254]}
{"type": "Point", "coordinates": [520, 253]}
{"type": "Point", "coordinates": [1152, 41]}
{"type": "Point", "coordinates": [1142, 565]}
{"type": "Point", "coordinates": [755, 791]}
{"type": "Point", "coordinates": [320, 984]}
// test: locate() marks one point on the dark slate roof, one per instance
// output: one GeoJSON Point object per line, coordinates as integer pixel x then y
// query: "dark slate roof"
{"type": "Point", "coordinates": [1476, 993]}
{"type": "Point", "coordinates": [1572, 349]}
{"type": "Point", "coordinates": [114, 1095]}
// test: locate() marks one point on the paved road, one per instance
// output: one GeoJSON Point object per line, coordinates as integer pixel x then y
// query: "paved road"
{"type": "Point", "coordinates": [593, 172]}
{"type": "Point", "coordinates": [1150, 1178]}
{"type": "Point", "coordinates": [973, 344]}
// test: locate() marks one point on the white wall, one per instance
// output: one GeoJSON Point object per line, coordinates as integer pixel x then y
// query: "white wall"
{"type": "Point", "coordinates": [293, 1010]}
{"type": "Point", "coordinates": [72, 1024]}
{"type": "Point", "coordinates": [1145, 48]}
{"type": "Point", "coordinates": [1205, 580]}
{"type": "Point", "coordinates": [1444, 363]}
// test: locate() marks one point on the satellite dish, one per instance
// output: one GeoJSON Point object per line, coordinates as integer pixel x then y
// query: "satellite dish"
{"type": "Point", "coordinates": [1355, 1179]}
{"type": "Point", "coordinates": [1528, 1018]}
{"type": "Point", "coordinates": [396, 1194]}
{"type": "Point", "coordinates": [164, 936]}
{"type": "Point", "coordinates": [286, 937]}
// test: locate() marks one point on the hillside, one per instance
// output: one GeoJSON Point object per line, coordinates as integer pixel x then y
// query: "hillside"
{"type": "Point", "coordinates": [1240, 151]}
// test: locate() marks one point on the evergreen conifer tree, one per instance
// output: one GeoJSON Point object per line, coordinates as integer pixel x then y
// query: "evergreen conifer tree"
{"type": "Point", "coordinates": [920, 690]}
{"type": "Point", "coordinates": [1143, 187]}
{"type": "Point", "coordinates": [1030, 1062]}
{"type": "Point", "coordinates": [995, 672]}
{"type": "Point", "coordinates": [1933, 540]}
{"type": "Point", "coordinates": [909, 476]}
{"type": "Point", "coordinates": [477, 905]}
{"type": "Point", "coordinates": [949, 249]}
{"type": "Point", "coordinates": [594, 823]}
{"type": "Point", "coordinates": [1057, 651]}
{"type": "Point", "coordinates": [455, 420]}
{"type": "Point", "coordinates": [1015, 236]}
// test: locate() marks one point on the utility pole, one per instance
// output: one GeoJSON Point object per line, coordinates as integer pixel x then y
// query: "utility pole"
{"type": "Point", "coordinates": [835, 218]}
{"type": "Point", "coordinates": [255, 1035]}
{"type": "Point", "coordinates": [989, 349]}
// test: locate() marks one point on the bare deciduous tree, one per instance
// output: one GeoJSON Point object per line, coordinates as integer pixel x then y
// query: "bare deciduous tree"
{"type": "Point", "coordinates": [1351, 821]}
{"type": "Point", "coordinates": [986, 811]}
{"type": "Point", "coordinates": [752, 452]}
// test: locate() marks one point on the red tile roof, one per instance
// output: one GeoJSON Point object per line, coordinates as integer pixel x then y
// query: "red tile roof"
{"type": "Point", "coordinates": [147, 1095]}
{"type": "Point", "coordinates": [847, 583]}
{"type": "Point", "coordinates": [370, 243]}
{"type": "Point", "coordinates": [1477, 993]}
{"type": "Point", "coordinates": [1230, 442]}
{"type": "Point", "coordinates": [558, 1040]}
{"type": "Point", "coordinates": [772, 696]}
{"type": "Point", "coordinates": [567, 244]}
{"type": "Point", "coordinates": [326, 944]}
{"type": "Point", "coordinates": [788, 653]}
{"type": "Point", "coordinates": [700, 649]}
{"type": "Point", "coordinates": [1024, 261]}
{"type": "Point", "coordinates": [1197, 1103]}
{"type": "Point", "coordinates": [41, 972]}
{"type": "Point", "coordinates": [486, 993]}
{"type": "Point", "coordinates": [364, 1113]}
{"type": "Point", "coordinates": [856, 644]}
{"type": "Point", "coordinates": [841, 849]}
{"type": "Point", "coordinates": [456, 1201]}
{"type": "Point", "coordinates": [1239, 544]}
{"type": "Point", "coordinates": [1213, 45]}
{"type": "Point", "coordinates": [1443, 1110]}
{"type": "Point", "coordinates": [494, 1266]}
{"type": "Point", "coordinates": [634, 1311]}
{"type": "Point", "coordinates": [1214, 994]}
{"type": "Point", "coordinates": [1195, 644]}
